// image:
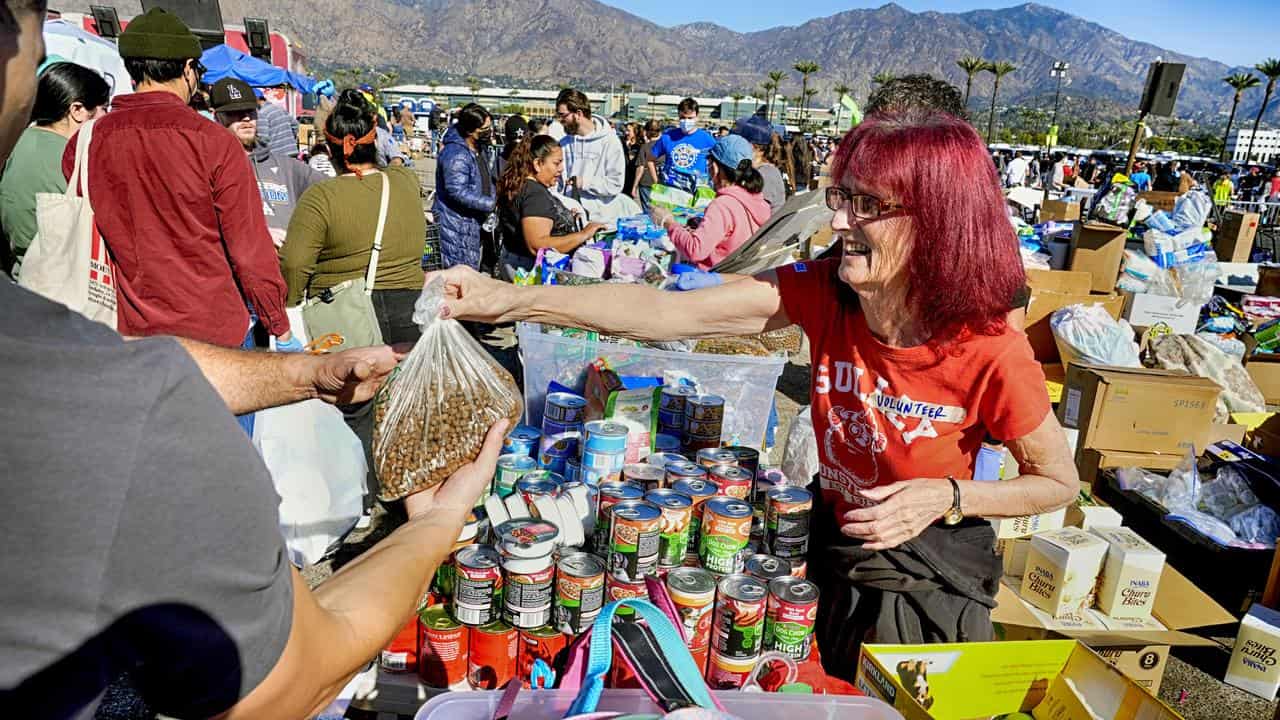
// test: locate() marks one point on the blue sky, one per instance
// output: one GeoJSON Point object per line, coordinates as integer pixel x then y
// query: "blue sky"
{"type": "Point", "coordinates": [1237, 32]}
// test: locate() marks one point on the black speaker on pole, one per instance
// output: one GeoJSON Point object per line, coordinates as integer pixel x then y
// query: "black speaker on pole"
{"type": "Point", "coordinates": [257, 36]}
{"type": "Point", "coordinates": [107, 21]}
{"type": "Point", "coordinates": [1163, 81]}
{"type": "Point", "coordinates": [203, 17]}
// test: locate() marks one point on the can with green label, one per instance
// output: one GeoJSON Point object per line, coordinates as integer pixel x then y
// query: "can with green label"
{"type": "Point", "coordinates": [726, 528]}
{"type": "Point", "coordinates": [789, 621]}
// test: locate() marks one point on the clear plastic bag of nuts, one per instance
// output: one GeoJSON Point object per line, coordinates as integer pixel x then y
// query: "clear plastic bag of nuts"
{"type": "Point", "coordinates": [432, 416]}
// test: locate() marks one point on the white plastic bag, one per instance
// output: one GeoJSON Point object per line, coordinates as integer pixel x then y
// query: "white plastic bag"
{"type": "Point", "coordinates": [318, 468]}
{"type": "Point", "coordinates": [1093, 336]}
{"type": "Point", "coordinates": [800, 453]}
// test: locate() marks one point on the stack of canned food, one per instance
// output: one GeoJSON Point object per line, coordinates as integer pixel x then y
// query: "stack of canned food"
{"type": "Point", "coordinates": [549, 549]}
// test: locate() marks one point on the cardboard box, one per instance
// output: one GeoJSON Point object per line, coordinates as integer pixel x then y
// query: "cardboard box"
{"type": "Point", "coordinates": [1098, 249]}
{"type": "Point", "coordinates": [1143, 664]}
{"type": "Point", "coordinates": [1060, 211]}
{"type": "Point", "coordinates": [1062, 567]}
{"type": "Point", "coordinates": [1144, 310]}
{"type": "Point", "coordinates": [1091, 463]}
{"type": "Point", "coordinates": [1265, 372]}
{"type": "Point", "coordinates": [1255, 659]}
{"type": "Point", "coordinates": [1234, 241]}
{"type": "Point", "coordinates": [1130, 574]}
{"type": "Point", "coordinates": [1160, 200]}
{"type": "Point", "coordinates": [1088, 517]}
{"type": "Point", "coordinates": [1013, 553]}
{"type": "Point", "coordinates": [1052, 290]}
{"type": "Point", "coordinates": [1027, 525]}
{"type": "Point", "coordinates": [972, 680]}
{"type": "Point", "coordinates": [1137, 409]}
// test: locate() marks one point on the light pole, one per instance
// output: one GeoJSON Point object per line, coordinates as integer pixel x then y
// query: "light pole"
{"type": "Point", "coordinates": [1059, 72]}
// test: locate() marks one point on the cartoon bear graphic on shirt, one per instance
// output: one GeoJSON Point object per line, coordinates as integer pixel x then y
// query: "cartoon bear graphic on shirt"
{"type": "Point", "coordinates": [859, 431]}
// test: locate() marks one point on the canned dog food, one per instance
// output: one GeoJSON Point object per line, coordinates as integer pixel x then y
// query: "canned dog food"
{"type": "Point", "coordinates": [543, 644]}
{"type": "Point", "coordinates": [671, 422]}
{"type": "Point", "coordinates": [699, 491]}
{"type": "Point", "coordinates": [491, 662]}
{"type": "Point", "coordinates": [711, 457]}
{"type": "Point", "coordinates": [539, 483]}
{"type": "Point", "coordinates": [703, 430]}
{"type": "Point", "coordinates": [511, 468]}
{"type": "Point", "coordinates": [603, 462]}
{"type": "Point", "coordinates": [684, 470]}
{"type": "Point", "coordinates": [673, 536]}
{"type": "Point", "coordinates": [572, 470]}
{"type": "Point", "coordinates": [766, 568]}
{"type": "Point", "coordinates": [790, 617]}
{"type": "Point", "coordinates": [526, 538]}
{"type": "Point", "coordinates": [787, 511]}
{"type": "Point", "coordinates": [675, 398]}
{"type": "Point", "coordinates": [610, 494]}
{"type": "Point", "coordinates": [442, 649]}
{"type": "Point", "coordinates": [665, 459]}
{"type": "Point", "coordinates": [733, 481]}
{"type": "Point", "coordinates": [551, 428]}
{"type": "Point", "coordinates": [555, 450]}
{"type": "Point", "coordinates": [527, 600]}
{"type": "Point", "coordinates": [604, 436]}
{"type": "Point", "coordinates": [728, 673]}
{"type": "Point", "coordinates": [595, 477]}
{"type": "Point", "coordinates": [579, 592]}
{"type": "Point", "coordinates": [726, 527]}
{"type": "Point", "coordinates": [634, 532]}
{"type": "Point", "coordinates": [668, 442]}
{"type": "Point", "coordinates": [693, 591]}
{"type": "Point", "coordinates": [477, 585]}
{"type": "Point", "coordinates": [737, 628]}
{"type": "Point", "coordinates": [616, 588]}
{"type": "Point", "coordinates": [522, 440]}
{"type": "Point", "coordinates": [704, 407]}
{"type": "Point", "coordinates": [564, 407]}
{"type": "Point", "coordinates": [649, 477]}
{"type": "Point", "coordinates": [747, 458]}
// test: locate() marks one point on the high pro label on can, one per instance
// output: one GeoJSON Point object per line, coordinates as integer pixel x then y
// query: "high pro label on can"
{"type": "Point", "coordinates": [579, 592]}
{"type": "Point", "coordinates": [726, 527]}
{"type": "Point", "coordinates": [737, 630]}
{"type": "Point", "coordinates": [790, 617]}
{"type": "Point", "coordinates": [673, 535]}
{"type": "Point", "coordinates": [477, 586]}
{"type": "Point", "coordinates": [634, 538]}
{"type": "Point", "coordinates": [786, 524]}
{"type": "Point", "coordinates": [699, 491]}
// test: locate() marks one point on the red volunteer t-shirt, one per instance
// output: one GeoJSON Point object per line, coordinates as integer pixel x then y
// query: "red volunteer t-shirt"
{"type": "Point", "coordinates": [883, 414]}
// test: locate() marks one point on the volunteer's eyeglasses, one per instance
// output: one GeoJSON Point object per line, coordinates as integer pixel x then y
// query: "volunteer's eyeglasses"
{"type": "Point", "coordinates": [861, 205]}
{"type": "Point", "coordinates": [562, 115]}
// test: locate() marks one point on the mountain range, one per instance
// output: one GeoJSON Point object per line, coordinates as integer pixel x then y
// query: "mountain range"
{"type": "Point", "coordinates": [550, 42]}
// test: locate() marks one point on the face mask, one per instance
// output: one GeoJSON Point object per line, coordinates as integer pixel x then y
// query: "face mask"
{"type": "Point", "coordinates": [485, 138]}
{"type": "Point", "coordinates": [688, 124]}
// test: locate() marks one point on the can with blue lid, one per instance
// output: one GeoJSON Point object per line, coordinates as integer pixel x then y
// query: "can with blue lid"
{"type": "Point", "coordinates": [563, 407]}
{"type": "Point", "coordinates": [522, 440]}
{"type": "Point", "coordinates": [604, 436]}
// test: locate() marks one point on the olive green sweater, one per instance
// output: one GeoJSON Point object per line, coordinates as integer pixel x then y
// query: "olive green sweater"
{"type": "Point", "coordinates": [331, 234]}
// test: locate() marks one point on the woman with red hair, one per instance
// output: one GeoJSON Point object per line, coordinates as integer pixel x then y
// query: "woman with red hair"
{"type": "Point", "coordinates": [913, 365]}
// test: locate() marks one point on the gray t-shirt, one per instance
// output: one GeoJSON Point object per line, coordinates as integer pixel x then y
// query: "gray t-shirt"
{"type": "Point", "coordinates": [775, 190]}
{"type": "Point", "coordinates": [141, 527]}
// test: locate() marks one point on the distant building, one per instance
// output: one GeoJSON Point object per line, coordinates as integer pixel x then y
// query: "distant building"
{"type": "Point", "coordinates": [1266, 148]}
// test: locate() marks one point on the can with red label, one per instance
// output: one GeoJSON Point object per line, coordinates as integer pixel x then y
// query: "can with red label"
{"type": "Point", "coordinates": [711, 457]}
{"type": "Point", "coordinates": [610, 494]}
{"type": "Point", "coordinates": [733, 481]}
{"type": "Point", "coordinates": [618, 589]}
{"type": "Point", "coordinates": [786, 522]}
{"type": "Point", "coordinates": [442, 649]}
{"type": "Point", "coordinates": [747, 458]}
{"type": "Point", "coordinates": [693, 591]}
{"type": "Point", "coordinates": [725, 673]}
{"type": "Point", "coordinates": [799, 568]}
{"type": "Point", "coordinates": [790, 617]}
{"type": "Point", "coordinates": [737, 629]}
{"type": "Point", "coordinates": [477, 586]}
{"type": "Point", "coordinates": [579, 592]}
{"type": "Point", "coordinates": [401, 655]}
{"type": "Point", "coordinates": [491, 662]}
{"type": "Point", "coordinates": [699, 491]}
{"type": "Point", "coordinates": [544, 644]}
{"type": "Point", "coordinates": [726, 528]}
{"type": "Point", "coordinates": [634, 539]}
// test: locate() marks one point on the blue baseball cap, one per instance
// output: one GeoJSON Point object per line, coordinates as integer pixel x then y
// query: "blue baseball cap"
{"type": "Point", "coordinates": [731, 150]}
{"type": "Point", "coordinates": [755, 129]}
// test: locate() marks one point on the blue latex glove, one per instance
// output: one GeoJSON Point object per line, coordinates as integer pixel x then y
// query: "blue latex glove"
{"type": "Point", "coordinates": [696, 280]}
{"type": "Point", "coordinates": [325, 88]}
{"type": "Point", "coordinates": [293, 346]}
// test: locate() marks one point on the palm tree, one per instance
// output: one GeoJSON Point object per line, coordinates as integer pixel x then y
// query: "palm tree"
{"type": "Point", "coordinates": [805, 68]}
{"type": "Point", "coordinates": [884, 77]}
{"type": "Point", "coordinates": [626, 95]}
{"type": "Point", "coordinates": [971, 66]}
{"type": "Point", "coordinates": [999, 69]}
{"type": "Point", "coordinates": [473, 84]}
{"type": "Point", "coordinates": [775, 81]}
{"type": "Point", "coordinates": [840, 90]}
{"type": "Point", "coordinates": [1271, 68]}
{"type": "Point", "coordinates": [737, 97]}
{"type": "Point", "coordinates": [1239, 82]}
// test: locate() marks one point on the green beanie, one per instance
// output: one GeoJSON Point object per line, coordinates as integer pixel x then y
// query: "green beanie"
{"type": "Point", "coordinates": [159, 35]}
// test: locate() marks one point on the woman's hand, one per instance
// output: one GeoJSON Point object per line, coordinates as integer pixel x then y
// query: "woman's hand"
{"type": "Point", "coordinates": [468, 295]}
{"type": "Point", "coordinates": [592, 228]}
{"type": "Point", "coordinates": [354, 376]}
{"type": "Point", "coordinates": [661, 216]}
{"type": "Point", "coordinates": [905, 509]}
{"type": "Point", "coordinates": [457, 495]}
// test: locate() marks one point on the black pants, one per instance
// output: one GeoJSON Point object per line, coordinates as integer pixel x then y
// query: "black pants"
{"type": "Point", "coordinates": [394, 309]}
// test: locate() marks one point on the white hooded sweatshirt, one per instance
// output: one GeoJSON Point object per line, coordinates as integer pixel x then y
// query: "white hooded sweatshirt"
{"type": "Point", "coordinates": [600, 165]}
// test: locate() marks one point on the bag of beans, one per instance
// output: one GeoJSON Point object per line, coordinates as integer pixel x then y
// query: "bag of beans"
{"type": "Point", "coordinates": [432, 416]}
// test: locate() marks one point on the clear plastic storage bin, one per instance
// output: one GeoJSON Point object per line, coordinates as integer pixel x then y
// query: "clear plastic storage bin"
{"type": "Point", "coordinates": [746, 383]}
{"type": "Point", "coordinates": [553, 704]}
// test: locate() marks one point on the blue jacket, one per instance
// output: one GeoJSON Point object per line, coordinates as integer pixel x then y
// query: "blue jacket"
{"type": "Point", "coordinates": [461, 205]}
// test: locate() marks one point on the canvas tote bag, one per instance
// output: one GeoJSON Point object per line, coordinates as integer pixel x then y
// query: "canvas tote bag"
{"type": "Point", "coordinates": [68, 262]}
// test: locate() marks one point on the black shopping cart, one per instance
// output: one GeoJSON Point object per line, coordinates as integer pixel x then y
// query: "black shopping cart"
{"type": "Point", "coordinates": [431, 259]}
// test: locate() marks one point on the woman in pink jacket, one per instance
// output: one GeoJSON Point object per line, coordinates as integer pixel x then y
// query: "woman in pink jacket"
{"type": "Point", "coordinates": [730, 220]}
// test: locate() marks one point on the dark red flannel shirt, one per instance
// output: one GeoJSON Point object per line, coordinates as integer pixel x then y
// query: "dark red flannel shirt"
{"type": "Point", "coordinates": [178, 205]}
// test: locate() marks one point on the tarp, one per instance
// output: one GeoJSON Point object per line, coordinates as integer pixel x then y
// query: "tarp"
{"type": "Point", "coordinates": [63, 40]}
{"type": "Point", "coordinates": [222, 61]}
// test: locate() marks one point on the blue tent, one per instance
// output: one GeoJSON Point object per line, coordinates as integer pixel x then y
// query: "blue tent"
{"type": "Point", "coordinates": [222, 61]}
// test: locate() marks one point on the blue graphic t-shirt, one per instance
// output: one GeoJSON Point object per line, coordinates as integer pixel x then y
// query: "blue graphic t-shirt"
{"type": "Point", "coordinates": [686, 154]}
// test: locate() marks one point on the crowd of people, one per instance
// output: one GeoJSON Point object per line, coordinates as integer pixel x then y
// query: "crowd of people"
{"type": "Point", "coordinates": [152, 568]}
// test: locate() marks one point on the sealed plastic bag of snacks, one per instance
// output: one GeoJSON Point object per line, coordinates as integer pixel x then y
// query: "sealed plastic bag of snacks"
{"type": "Point", "coordinates": [433, 414]}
